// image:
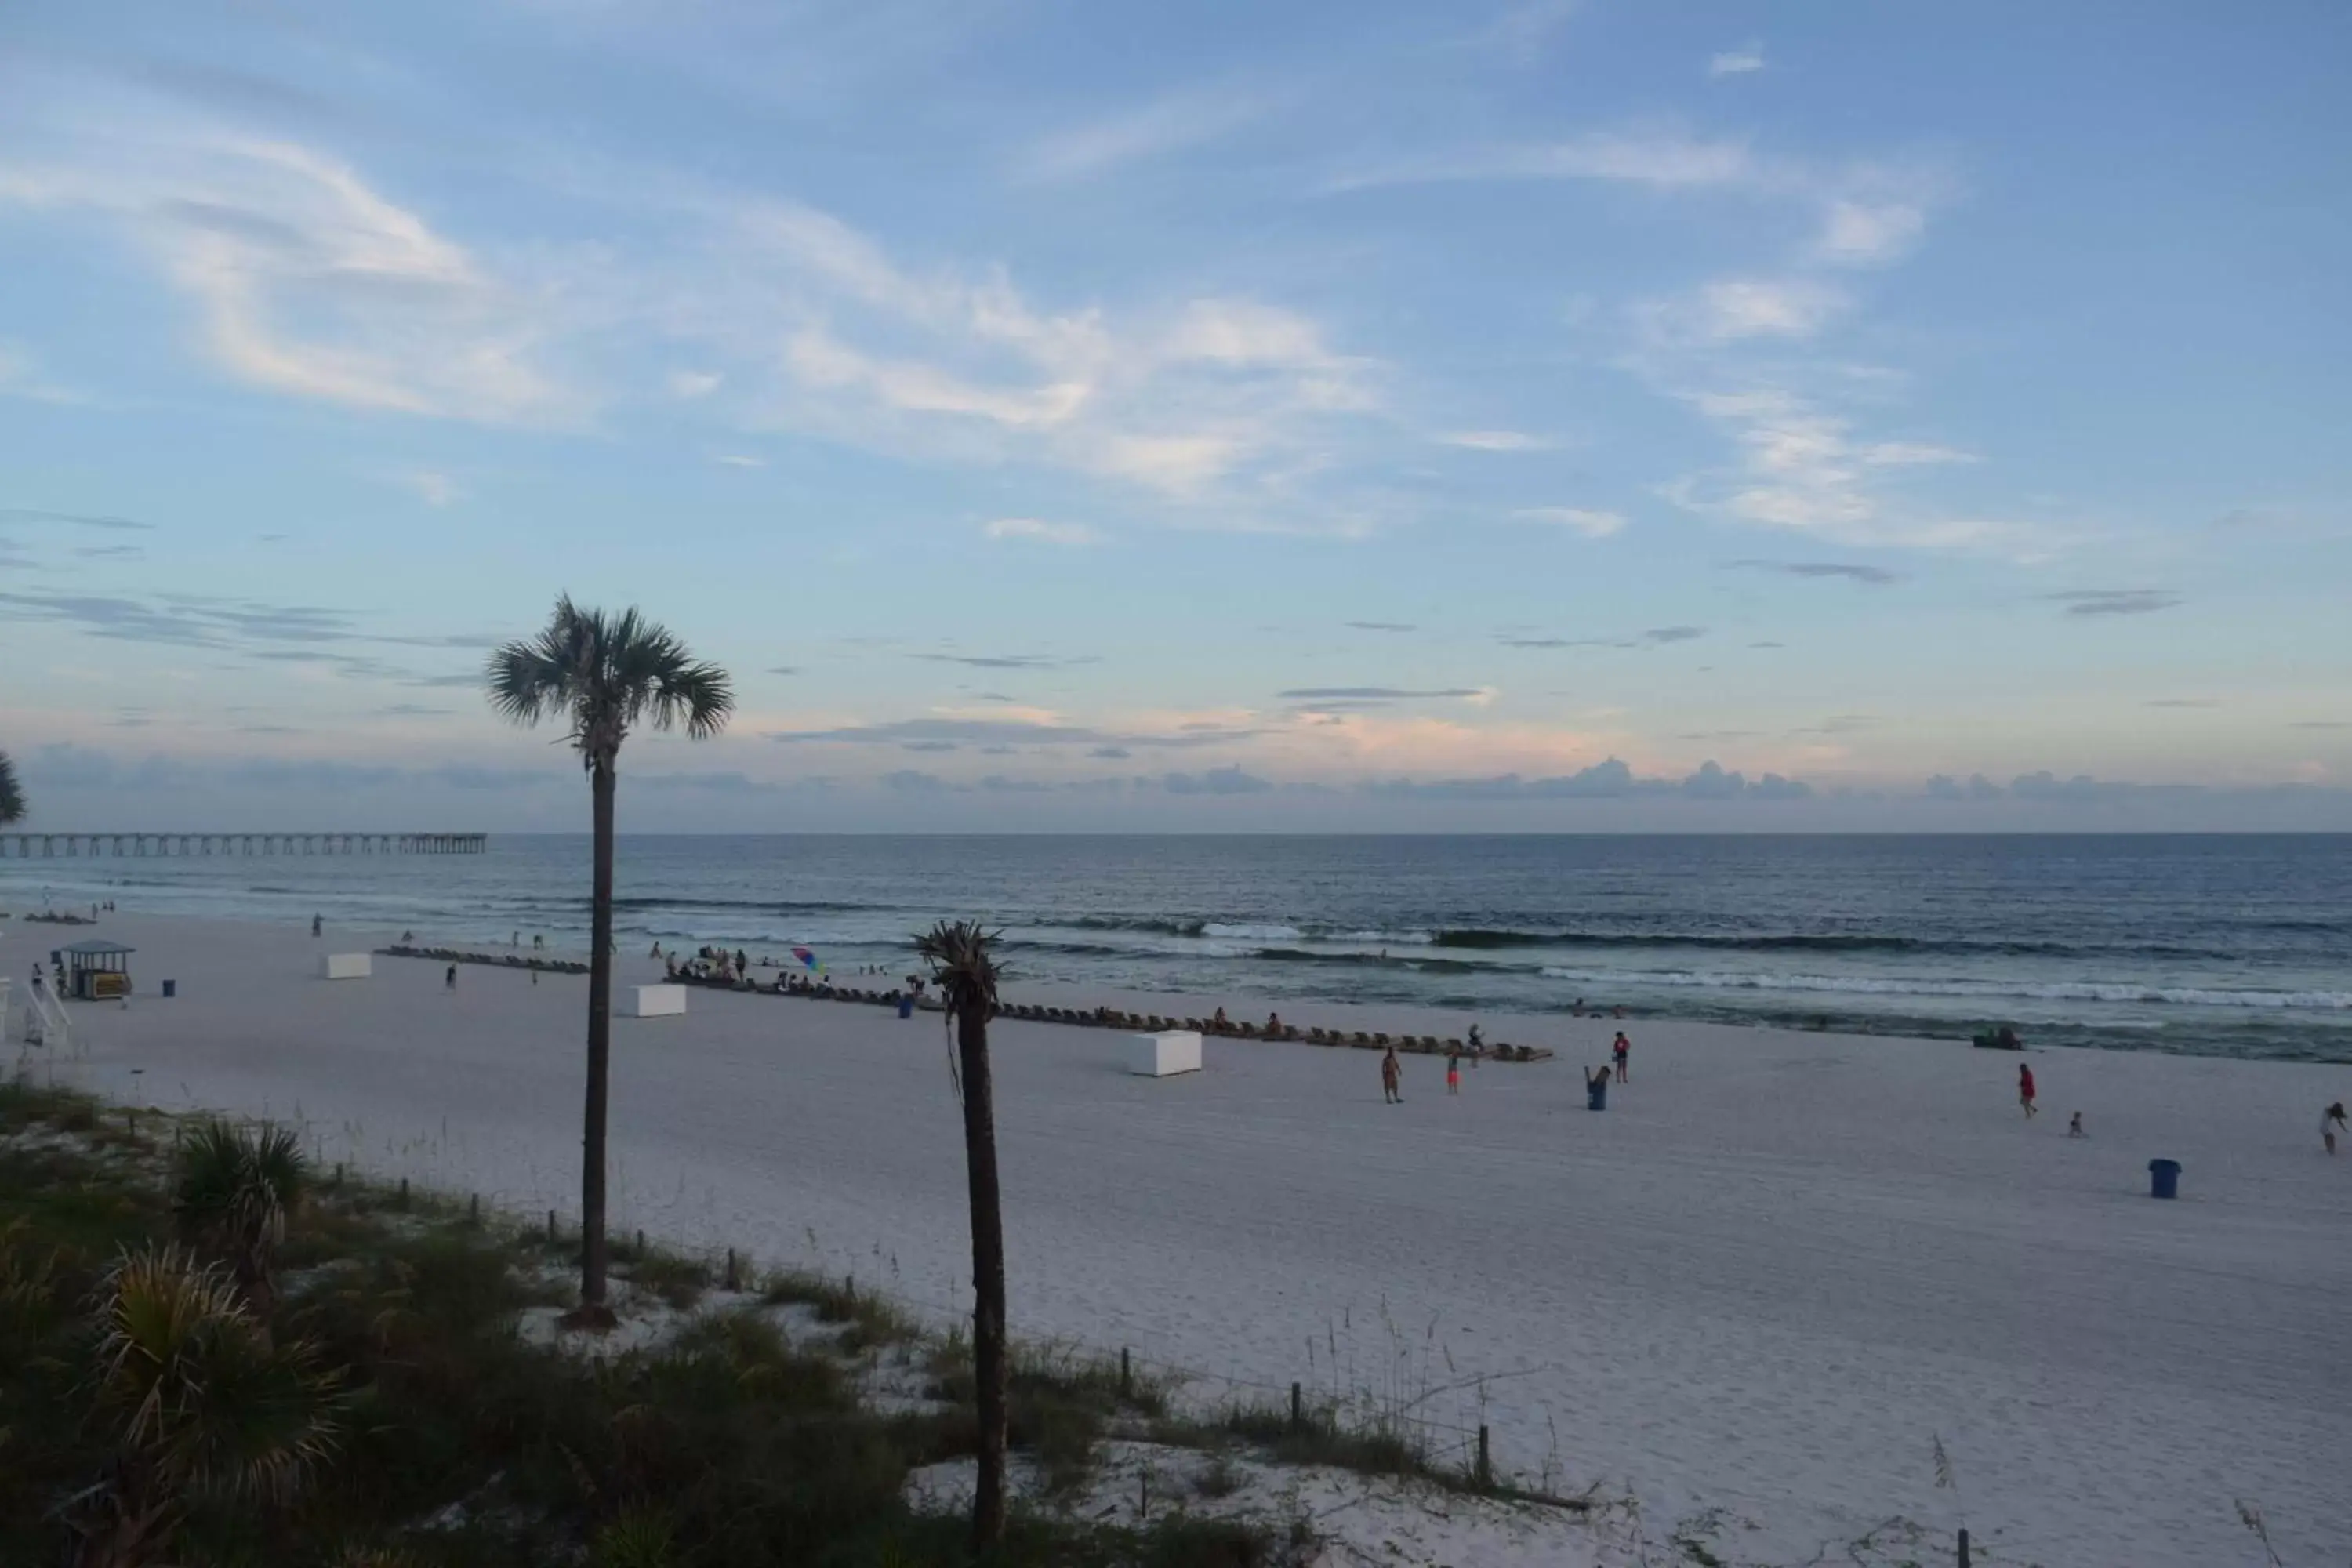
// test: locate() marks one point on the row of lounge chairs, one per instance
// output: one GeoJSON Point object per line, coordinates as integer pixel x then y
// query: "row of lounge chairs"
{"type": "Point", "coordinates": [495, 960]}
{"type": "Point", "coordinates": [1112, 1019]}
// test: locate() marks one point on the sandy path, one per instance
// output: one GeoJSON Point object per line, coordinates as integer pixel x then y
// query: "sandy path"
{"type": "Point", "coordinates": [1761, 1280]}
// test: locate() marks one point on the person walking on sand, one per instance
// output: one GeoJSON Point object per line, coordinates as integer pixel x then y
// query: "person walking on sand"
{"type": "Point", "coordinates": [1619, 1050]}
{"type": "Point", "coordinates": [1392, 1074]}
{"type": "Point", "coordinates": [1452, 1072]}
{"type": "Point", "coordinates": [2074, 1126]}
{"type": "Point", "coordinates": [450, 981]}
{"type": "Point", "coordinates": [2335, 1114]}
{"type": "Point", "coordinates": [316, 925]}
{"type": "Point", "coordinates": [2025, 1091]}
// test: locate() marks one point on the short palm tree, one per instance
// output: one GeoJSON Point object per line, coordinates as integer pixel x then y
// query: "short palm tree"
{"type": "Point", "coordinates": [199, 1403]}
{"type": "Point", "coordinates": [961, 960]}
{"type": "Point", "coordinates": [12, 795]}
{"type": "Point", "coordinates": [603, 675]}
{"type": "Point", "coordinates": [234, 1192]}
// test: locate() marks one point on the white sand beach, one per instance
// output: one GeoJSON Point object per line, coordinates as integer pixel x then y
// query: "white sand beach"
{"type": "Point", "coordinates": [1765, 1280]}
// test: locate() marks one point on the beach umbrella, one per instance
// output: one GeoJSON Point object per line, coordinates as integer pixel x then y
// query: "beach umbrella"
{"type": "Point", "coordinates": [807, 959]}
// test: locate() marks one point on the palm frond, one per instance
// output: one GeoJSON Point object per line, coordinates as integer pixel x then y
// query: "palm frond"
{"type": "Point", "coordinates": [235, 1190]}
{"type": "Point", "coordinates": [12, 794]}
{"type": "Point", "coordinates": [605, 674]}
{"type": "Point", "coordinates": [962, 959]}
{"type": "Point", "coordinates": [205, 1402]}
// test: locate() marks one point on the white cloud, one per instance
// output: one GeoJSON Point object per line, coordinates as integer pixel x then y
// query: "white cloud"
{"type": "Point", "coordinates": [1591, 523]}
{"type": "Point", "coordinates": [1523, 31]}
{"type": "Point", "coordinates": [1801, 469]}
{"type": "Point", "coordinates": [1496, 441]}
{"type": "Point", "coordinates": [1740, 61]}
{"type": "Point", "coordinates": [1665, 159]}
{"type": "Point", "coordinates": [20, 376]}
{"type": "Point", "coordinates": [740, 460]}
{"type": "Point", "coordinates": [1858, 233]}
{"type": "Point", "coordinates": [1902, 454]}
{"type": "Point", "coordinates": [1751, 308]}
{"type": "Point", "coordinates": [1042, 531]}
{"type": "Point", "coordinates": [433, 488]}
{"type": "Point", "coordinates": [690, 384]}
{"type": "Point", "coordinates": [307, 281]}
{"type": "Point", "coordinates": [1169, 125]}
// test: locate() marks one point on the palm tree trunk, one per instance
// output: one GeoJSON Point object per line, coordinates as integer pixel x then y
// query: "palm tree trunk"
{"type": "Point", "coordinates": [987, 1274]}
{"type": "Point", "coordinates": [600, 1045]}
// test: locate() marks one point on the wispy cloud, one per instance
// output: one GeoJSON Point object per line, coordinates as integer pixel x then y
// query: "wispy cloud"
{"type": "Point", "coordinates": [435, 489]}
{"type": "Point", "coordinates": [1656, 636]}
{"type": "Point", "coordinates": [1380, 693]}
{"type": "Point", "coordinates": [1522, 32]}
{"type": "Point", "coordinates": [1009, 731]}
{"type": "Point", "coordinates": [306, 279]}
{"type": "Point", "coordinates": [1169, 124]}
{"type": "Point", "coordinates": [1799, 469]}
{"type": "Point", "coordinates": [2114, 601]}
{"type": "Point", "coordinates": [1733, 309]}
{"type": "Point", "coordinates": [1586, 521]}
{"type": "Point", "coordinates": [1005, 660]}
{"type": "Point", "coordinates": [1742, 61]}
{"type": "Point", "coordinates": [1665, 158]}
{"type": "Point", "coordinates": [1042, 531]}
{"type": "Point", "coordinates": [1496, 441]}
{"type": "Point", "coordinates": [1383, 626]}
{"type": "Point", "coordinates": [1874, 577]}
{"type": "Point", "coordinates": [739, 461]}
{"type": "Point", "coordinates": [1866, 234]}
{"type": "Point", "coordinates": [20, 376]}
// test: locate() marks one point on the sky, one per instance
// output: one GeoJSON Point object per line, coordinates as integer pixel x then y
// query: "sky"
{"type": "Point", "coordinates": [1574, 414]}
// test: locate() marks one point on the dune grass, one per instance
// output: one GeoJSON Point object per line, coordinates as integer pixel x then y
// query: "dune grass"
{"type": "Point", "coordinates": [463, 1444]}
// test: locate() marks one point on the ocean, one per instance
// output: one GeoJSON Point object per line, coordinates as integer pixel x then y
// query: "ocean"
{"type": "Point", "coordinates": [2225, 946]}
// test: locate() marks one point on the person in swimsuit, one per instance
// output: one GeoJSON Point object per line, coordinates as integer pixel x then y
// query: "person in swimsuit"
{"type": "Point", "coordinates": [2335, 1114]}
{"type": "Point", "coordinates": [1391, 1073]}
{"type": "Point", "coordinates": [1621, 1048]}
{"type": "Point", "coordinates": [2074, 1126]}
{"type": "Point", "coordinates": [1452, 1073]}
{"type": "Point", "coordinates": [450, 981]}
{"type": "Point", "coordinates": [2025, 1091]}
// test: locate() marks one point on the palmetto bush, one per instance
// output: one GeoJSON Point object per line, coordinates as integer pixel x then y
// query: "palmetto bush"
{"type": "Point", "coordinates": [198, 1404]}
{"type": "Point", "coordinates": [234, 1192]}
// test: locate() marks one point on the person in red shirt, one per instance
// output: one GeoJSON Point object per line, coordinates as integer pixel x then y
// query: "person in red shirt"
{"type": "Point", "coordinates": [1621, 1048]}
{"type": "Point", "coordinates": [2025, 1090]}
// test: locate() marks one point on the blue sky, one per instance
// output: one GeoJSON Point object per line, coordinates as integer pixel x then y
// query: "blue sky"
{"type": "Point", "coordinates": [1575, 415]}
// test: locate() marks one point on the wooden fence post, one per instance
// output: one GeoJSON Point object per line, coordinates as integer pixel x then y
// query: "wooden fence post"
{"type": "Point", "coordinates": [734, 1279]}
{"type": "Point", "coordinates": [1296, 1409]}
{"type": "Point", "coordinates": [1964, 1548]}
{"type": "Point", "coordinates": [1486, 1469]}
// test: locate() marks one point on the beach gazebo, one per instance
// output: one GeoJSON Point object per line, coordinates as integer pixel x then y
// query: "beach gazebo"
{"type": "Point", "coordinates": [97, 970]}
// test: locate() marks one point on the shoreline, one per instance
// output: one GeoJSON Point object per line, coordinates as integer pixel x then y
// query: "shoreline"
{"type": "Point", "coordinates": [1761, 1281]}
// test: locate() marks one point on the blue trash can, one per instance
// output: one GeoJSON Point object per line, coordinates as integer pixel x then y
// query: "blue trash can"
{"type": "Point", "coordinates": [906, 1007]}
{"type": "Point", "coordinates": [171, 988]}
{"type": "Point", "coordinates": [1596, 1095]}
{"type": "Point", "coordinates": [2164, 1178]}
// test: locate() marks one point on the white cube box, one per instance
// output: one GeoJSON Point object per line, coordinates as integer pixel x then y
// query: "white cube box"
{"type": "Point", "coordinates": [345, 966]}
{"type": "Point", "coordinates": [656, 1002]}
{"type": "Point", "coordinates": [1164, 1054]}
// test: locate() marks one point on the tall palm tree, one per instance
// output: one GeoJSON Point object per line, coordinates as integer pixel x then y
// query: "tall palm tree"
{"type": "Point", "coordinates": [201, 1405]}
{"type": "Point", "coordinates": [234, 1194]}
{"type": "Point", "coordinates": [961, 960]}
{"type": "Point", "coordinates": [12, 795]}
{"type": "Point", "coordinates": [605, 675]}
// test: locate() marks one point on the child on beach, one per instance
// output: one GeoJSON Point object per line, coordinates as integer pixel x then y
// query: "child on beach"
{"type": "Point", "coordinates": [1452, 1073]}
{"type": "Point", "coordinates": [2334, 1113]}
{"type": "Point", "coordinates": [450, 981]}
{"type": "Point", "coordinates": [1620, 1048]}
{"type": "Point", "coordinates": [2074, 1126]}
{"type": "Point", "coordinates": [1391, 1071]}
{"type": "Point", "coordinates": [316, 925]}
{"type": "Point", "coordinates": [2025, 1091]}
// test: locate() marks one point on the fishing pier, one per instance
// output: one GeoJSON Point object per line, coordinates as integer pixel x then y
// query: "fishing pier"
{"type": "Point", "coordinates": [132, 846]}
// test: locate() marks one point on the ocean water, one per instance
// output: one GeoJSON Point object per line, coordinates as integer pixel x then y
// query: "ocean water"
{"type": "Point", "coordinates": [2234, 945]}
